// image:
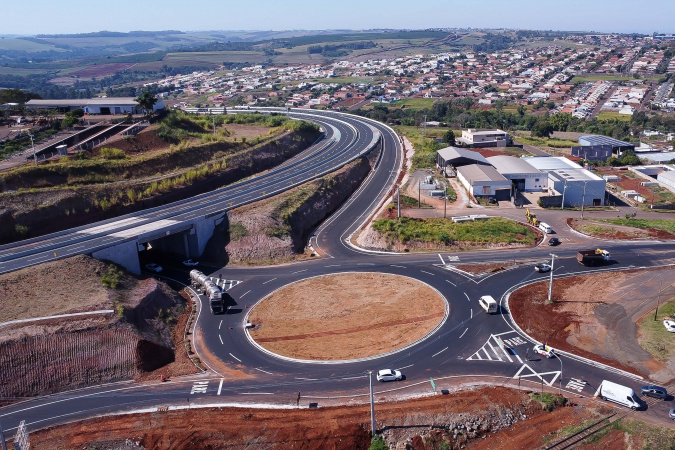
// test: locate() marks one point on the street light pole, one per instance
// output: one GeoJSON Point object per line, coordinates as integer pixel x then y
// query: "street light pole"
{"type": "Point", "coordinates": [561, 373]}
{"type": "Point", "coordinates": [372, 404]}
{"type": "Point", "coordinates": [550, 284]}
{"type": "Point", "coordinates": [32, 143]}
{"type": "Point", "coordinates": [583, 201]}
{"type": "Point", "coordinates": [399, 201]}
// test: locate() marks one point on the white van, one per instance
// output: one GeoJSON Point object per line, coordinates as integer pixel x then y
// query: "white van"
{"type": "Point", "coordinates": [617, 393]}
{"type": "Point", "coordinates": [546, 228]}
{"type": "Point", "coordinates": [488, 304]}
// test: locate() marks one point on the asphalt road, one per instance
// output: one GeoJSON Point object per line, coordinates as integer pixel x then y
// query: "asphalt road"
{"type": "Point", "coordinates": [465, 348]}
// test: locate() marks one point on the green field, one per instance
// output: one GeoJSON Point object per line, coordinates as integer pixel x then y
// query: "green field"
{"type": "Point", "coordinates": [653, 336]}
{"type": "Point", "coordinates": [414, 103]}
{"type": "Point", "coordinates": [604, 115]}
{"type": "Point", "coordinates": [657, 224]}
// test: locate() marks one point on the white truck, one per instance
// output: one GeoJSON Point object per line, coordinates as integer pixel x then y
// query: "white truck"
{"type": "Point", "coordinates": [617, 393]}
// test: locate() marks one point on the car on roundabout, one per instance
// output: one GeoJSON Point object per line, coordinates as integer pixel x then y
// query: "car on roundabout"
{"type": "Point", "coordinates": [542, 267]}
{"type": "Point", "coordinates": [152, 267]}
{"type": "Point", "coordinates": [389, 375]}
{"type": "Point", "coordinates": [654, 391]}
{"type": "Point", "coordinates": [544, 350]}
{"type": "Point", "coordinates": [554, 241]}
{"type": "Point", "coordinates": [670, 325]}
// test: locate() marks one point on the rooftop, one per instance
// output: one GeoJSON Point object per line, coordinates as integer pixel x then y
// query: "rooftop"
{"type": "Point", "coordinates": [130, 101]}
{"type": "Point", "coordinates": [596, 139]}
{"type": "Point", "coordinates": [449, 153]}
{"type": "Point", "coordinates": [561, 168]}
{"type": "Point", "coordinates": [510, 164]}
{"type": "Point", "coordinates": [476, 172]}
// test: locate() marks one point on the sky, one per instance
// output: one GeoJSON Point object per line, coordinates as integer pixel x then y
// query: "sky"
{"type": "Point", "coordinates": [77, 16]}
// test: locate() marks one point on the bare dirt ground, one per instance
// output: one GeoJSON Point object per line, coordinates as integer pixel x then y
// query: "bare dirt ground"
{"type": "Point", "coordinates": [59, 287]}
{"type": "Point", "coordinates": [609, 231]}
{"type": "Point", "coordinates": [457, 419]}
{"type": "Point", "coordinates": [595, 316]}
{"type": "Point", "coordinates": [346, 316]}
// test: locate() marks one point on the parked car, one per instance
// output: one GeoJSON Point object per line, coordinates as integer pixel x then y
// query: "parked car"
{"type": "Point", "coordinates": [190, 263]}
{"type": "Point", "coordinates": [492, 201]}
{"type": "Point", "coordinates": [671, 413]}
{"type": "Point", "coordinates": [554, 241]}
{"type": "Point", "coordinates": [544, 350]}
{"type": "Point", "coordinates": [152, 267]}
{"type": "Point", "coordinates": [670, 325]}
{"type": "Point", "coordinates": [654, 391]}
{"type": "Point", "coordinates": [542, 267]}
{"type": "Point", "coordinates": [389, 375]}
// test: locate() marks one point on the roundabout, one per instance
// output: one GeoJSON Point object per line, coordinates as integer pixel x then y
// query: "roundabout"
{"type": "Point", "coordinates": [346, 317]}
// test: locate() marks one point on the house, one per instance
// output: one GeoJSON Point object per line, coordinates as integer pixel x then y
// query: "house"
{"type": "Point", "coordinates": [475, 137]}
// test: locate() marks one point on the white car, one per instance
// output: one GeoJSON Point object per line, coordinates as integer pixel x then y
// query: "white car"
{"type": "Point", "coordinates": [190, 263]}
{"type": "Point", "coordinates": [152, 267]}
{"type": "Point", "coordinates": [542, 267]}
{"type": "Point", "coordinates": [389, 375]}
{"type": "Point", "coordinates": [544, 350]}
{"type": "Point", "coordinates": [670, 325]}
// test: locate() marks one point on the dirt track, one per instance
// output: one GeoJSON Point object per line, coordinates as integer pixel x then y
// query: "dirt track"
{"type": "Point", "coordinates": [346, 316]}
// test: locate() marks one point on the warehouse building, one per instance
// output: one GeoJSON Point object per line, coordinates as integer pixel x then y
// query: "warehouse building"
{"type": "Point", "coordinates": [600, 148]}
{"type": "Point", "coordinates": [104, 106]}
{"type": "Point", "coordinates": [523, 176]}
{"type": "Point", "coordinates": [484, 181]}
{"type": "Point", "coordinates": [667, 178]}
{"type": "Point", "coordinates": [574, 184]}
{"type": "Point", "coordinates": [456, 157]}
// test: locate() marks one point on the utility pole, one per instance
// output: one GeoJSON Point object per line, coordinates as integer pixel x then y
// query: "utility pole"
{"type": "Point", "coordinates": [372, 404]}
{"type": "Point", "coordinates": [2, 440]}
{"type": "Point", "coordinates": [583, 201]}
{"type": "Point", "coordinates": [550, 284]}
{"type": "Point", "coordinates": [445, 204]}
{"type": "Point", "coordinates": [561, 374]}
{"type": "Point", "coordinates": [658, 299]}
{"type": "Point", "coordinates": [214, 125]}
{"type": "Point", "coordinates": [399, 201]}
{"type": "Point", "coordinates": [33, 144]}
{"type": "Point", "coordinates": [562, 206]}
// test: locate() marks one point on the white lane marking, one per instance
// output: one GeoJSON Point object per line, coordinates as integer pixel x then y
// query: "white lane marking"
{"type": "Point", "coordinates": [401, 368]}
{"type": "Point", "coordinates": [256, 393]}
{"type": "Point", "coordinates": [220, 386]}
{"type": "Point", "coordinates": [365, 264]}
{"type": "Point", "coordinates": [453, 258]}
{"type": "Point", "coordinates": [426, 272]}
{"type": "Point", "coordinates": [235, 357]}
{"type": "Point", "coordinates": [506, 332]}
{"type": "Point", "coordinates": [464, 333]}
{"type": "Point", "coordinates": [394, 265]}
{"type": "Point", "coordinates": [220, 324]}
{"type": "Point", "coordinates": [268, 281]}
{"type": "Point", "coordinates": [477, 355]}
{"type": "Point", "coordinates": [486, 353]}
{"type": "Point", "coordinates": [494, 351]}
{"type": "Point", "coordinates": [448, 281]}
{"type": "Point", "coordinates": [221, 339]}
{"type": "Point", "coordinates": [442, 262]}
{"type": "Point", "coordinates": [472, 313]}
{"type": "Point", "coordinates": [268, 373]}
{"type": "Point", "coordinates": [307, 379]}
{"type": "Point", "coordinates": [436, 354]}
{"type": "Point", "coordinates": [244, 293]}
{"type": "Point", "coordinates": [352, 378]}
{"type": "Point", "coordinates": [199, 387]}
{"type": "Point", "coordinates": [519, 360]}
{"type": "Point", "coordinates": [298, 271]}
{"type": "Point", "coordinates": [467, 296]}
{"type": "Point", "coordinates": [333, 265]}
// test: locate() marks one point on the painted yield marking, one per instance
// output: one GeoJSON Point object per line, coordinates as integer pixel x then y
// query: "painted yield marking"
{"type": "Point", "coordinates": [199, 387]}
{"type": "Point", "coordinates": [576, 385]}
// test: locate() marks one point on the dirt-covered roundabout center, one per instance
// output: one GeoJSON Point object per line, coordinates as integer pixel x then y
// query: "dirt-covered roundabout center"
{"type": "Point", "coordinates": [347, 316]}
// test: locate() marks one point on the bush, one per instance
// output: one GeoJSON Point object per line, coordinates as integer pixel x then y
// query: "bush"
{"type": "Point", "coordinates": [549, 402]}
{"type": "Point", "coordinates": [111, 277]}
{"type": "Point", "coordinates": [112, 153]}
{"type": "Point", "coordinates": [377, 443]}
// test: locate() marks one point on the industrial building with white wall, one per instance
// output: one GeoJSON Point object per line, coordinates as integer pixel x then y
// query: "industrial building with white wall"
{"type": "Point", "coordinates": [575, 184]}
{"type": "Point", "coordinates": [522, 175]}
{"type": "Point", "coordinates": [105, 105]}
{"type": "Point", "coordinates": [484, 181]}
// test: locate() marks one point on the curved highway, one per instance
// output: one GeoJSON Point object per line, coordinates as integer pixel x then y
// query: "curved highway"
{"type": "Point", "coordinates": [469, 347]}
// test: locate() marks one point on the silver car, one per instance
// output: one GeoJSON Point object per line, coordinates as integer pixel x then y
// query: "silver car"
{"type": "Point", "coordinates": [389, 375]}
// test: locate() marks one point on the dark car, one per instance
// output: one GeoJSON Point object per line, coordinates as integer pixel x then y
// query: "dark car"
{"type": "Point", "coordinates": [654, 391]}
{"type": "Point", "coordinates": [554, 241]}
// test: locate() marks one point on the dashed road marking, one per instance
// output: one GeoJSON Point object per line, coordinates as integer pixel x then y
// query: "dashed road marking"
{"type": "Point", "coordinates": [221, 339]}
{"type": "Point", "coordinates": [235, 357]}
{"type": "Point", "coordinates": [448, 281]}
{"type": "Point", "coordinates": [268, 281]}
{"type": "Point", "coordinates": [438, 353]}
{"type": "Point", "coordinates": [467, 296]}
{"type": "Point", "coordinates": [220, 324]}
{"type": "Point", "coordinates": [464, 333]}
{"type": "Point", "coordinates": [220, 386]}
{"type": "Point", "coordinates": [424, 271]}
{"type": "Point", "coordinates": [394, 265]}
{"type": "Point", "coordinates": [401, 368]}
{"type": "Point", "coordinates": [244, 293]}
{"type": "Point", "coordinates": [298, 271]}
{"type": "Point", "coordinates": [199, 387]}
{"type": "Point", "coordinates": [264, 371]}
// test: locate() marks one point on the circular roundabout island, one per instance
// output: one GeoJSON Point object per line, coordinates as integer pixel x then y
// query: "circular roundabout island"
{"type": "Point", "coordinates": [346, 316]}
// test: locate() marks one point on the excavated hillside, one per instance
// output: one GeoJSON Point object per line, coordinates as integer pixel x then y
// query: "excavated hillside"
{"type": "Point", "coordinates": [276, 229]}
{"type": "Point", "coordinates": [128, 335]}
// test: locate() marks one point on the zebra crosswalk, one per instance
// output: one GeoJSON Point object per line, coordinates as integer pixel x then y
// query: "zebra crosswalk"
{"type": "Point", "coordinates": [223, 284]}
{"type": "Point", "coordinates": [576, 385]}
{"type": "Point", "coordinates": [496, 349]}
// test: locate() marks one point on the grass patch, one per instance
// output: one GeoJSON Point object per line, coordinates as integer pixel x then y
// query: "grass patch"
{"type": "Point", "coordinates": [606, 115]}
{"type": "Point", "coordinates": [237, 231]}
{"type": "Point", "coordinates": [409, 202]}
{"type": "Point", "coordinates": [548, 402]}
{"type": "Point", "coordinates": [413, 103]}
{"type": "Point", "coordinates": [594, 230]}
{"type": "Point", "coordinates": [446, 232]}
{"type": "Point", "coordinates": [111, 278]}
{"type": "Point", "coordinates": [546, 142]}
{"type": "Point", "coordinates": [423, 157]}
{"type": "Point", "coordinates": [658, 224]}
{"type": "Point", "coordinates": [653, 336]}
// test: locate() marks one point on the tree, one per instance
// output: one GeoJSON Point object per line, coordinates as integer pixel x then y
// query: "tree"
{"type": "Point", "coordinates": [542, 129]}
{"type": "Point", "coordinates": [147, 102]}
{"type": "Point", "coordinates": [449, 138]}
